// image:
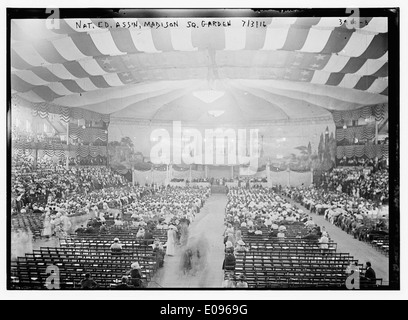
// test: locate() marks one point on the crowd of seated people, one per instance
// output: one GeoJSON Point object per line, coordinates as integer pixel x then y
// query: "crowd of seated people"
{"type": "Point", "coordinates": [358, 182]}
{"type": "Point", "coordinates": [143, 208]}
{"type": "Point", "coordinates": [257, 209]}
{"type": "Point", "coordinates": [44, 186]}
{"type": "Point", "coordinates": [355, 201]}
{"type": "Point", "coordinates": [24, 163]}
{"type": "Point", "coordinates": [363, 162]}
{"type": "Point", "coordinates": [88, 161]}
{"type": "Point", "coordinates": [169, 206]}
{"type": "Point", "coordinates": [201, 180]}
{"type": "Point", "coordinates": [28, 136]}
{"type": "Point", "coordinates": [97, 205]}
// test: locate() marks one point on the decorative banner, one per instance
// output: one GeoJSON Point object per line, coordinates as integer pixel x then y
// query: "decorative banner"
{"type": "Point", "coordinates": [87, 135]}
{"type": "Point", "coordinates": [43, 109]}
{"type": "Point", "coordinates": [60, 150]}
{"type": "Point", "coordinates": [378, 111]}
{"type": "Point", "coordinates": [361, 133]}
{"type": "Point", "coordinates": [371, 151]}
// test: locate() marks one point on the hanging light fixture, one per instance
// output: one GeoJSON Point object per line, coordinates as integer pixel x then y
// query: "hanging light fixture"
{"type": "Point", "coordinates": [208, 96]}
{"type": "Point", "coordinates": [216, 113]}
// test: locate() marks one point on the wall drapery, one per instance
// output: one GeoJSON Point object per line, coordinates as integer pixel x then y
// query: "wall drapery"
{"type": "Point", "coordinates": [370, 151]}
{"type": "Point", "coordinates": [62, 149]}
{"type": "Point", "coordinates": [378, 111]}
{"type": "Point", "coordinates": [87, 135]}
{"type": "Point", "coordinates": [43, 109]}
{"type": "Point", "coordinates": [361, 133]}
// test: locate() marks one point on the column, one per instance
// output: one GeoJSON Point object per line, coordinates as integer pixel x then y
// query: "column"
{"type": "Point", "coordinates": [376, 136]}
{"type": "Point", "coordinates": [311, 175]}
{"type": "Point", "coordinates": [268, 175]}
{"type": "Point", "coordinates": [288, 171]}
{"type": "Point", "coordinates": [232, 172]}
{"type": "Point", "coordinates": [67, 157]}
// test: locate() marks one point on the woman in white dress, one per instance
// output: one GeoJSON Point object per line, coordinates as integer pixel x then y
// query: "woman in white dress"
{"type": "Point", "coordinates": [47, 232]}
{"type": "Point", "coordinates": [171, 241]}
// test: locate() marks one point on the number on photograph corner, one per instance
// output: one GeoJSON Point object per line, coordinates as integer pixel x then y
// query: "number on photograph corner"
{"type": "Point", "coordinates": [353, 22]}
{"type": "Point", "coordinates": [53, 21]}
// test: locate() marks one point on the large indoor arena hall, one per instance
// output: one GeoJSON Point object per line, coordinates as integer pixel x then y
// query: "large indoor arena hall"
{"type": "Point", "coordinates": [201, 150]}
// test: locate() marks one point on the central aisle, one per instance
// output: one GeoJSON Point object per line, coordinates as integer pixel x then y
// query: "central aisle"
{"type": "Point", "coordinates": [208, 224]}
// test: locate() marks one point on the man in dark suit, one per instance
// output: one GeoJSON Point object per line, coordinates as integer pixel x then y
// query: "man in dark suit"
{"type": "Point", "coordinates": [88, 283]}
{"type": "Point", "coordinates": [370, 274]}
{"type": "Point", "coordinates": [124, 285]}
{"type": "Point", "coordinates": [148, 237]}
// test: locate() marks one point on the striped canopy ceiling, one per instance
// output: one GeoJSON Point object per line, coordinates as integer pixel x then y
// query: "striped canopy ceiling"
{"type": "Point", "coordinates": [288, 69]}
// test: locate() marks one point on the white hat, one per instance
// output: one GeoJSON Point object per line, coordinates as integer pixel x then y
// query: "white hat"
{"type": "Point", "coordinates": [116, 239]}
{"type": "Point", "coordinates": [135, 265]}
{"type": "Point", "coordinates": [23, 211]}
{"type": "Point", "coordinates": [240, 242]}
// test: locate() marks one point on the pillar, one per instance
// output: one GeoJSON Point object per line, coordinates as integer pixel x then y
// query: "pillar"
{"type": "Point", "coordinates": [288, 171]}
{"type": "Point", "coordinates": [311, 175]}
{"type": "Point", "coordinates": [67, 155]}
{"type": "Point", "coordinates": [268, 175]}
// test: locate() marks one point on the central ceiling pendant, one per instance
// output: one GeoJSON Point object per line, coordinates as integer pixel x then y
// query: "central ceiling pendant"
{"type": "Point", "coordinates": [208, 96]}
{"type": "Point", "coordinates": [216, 113]}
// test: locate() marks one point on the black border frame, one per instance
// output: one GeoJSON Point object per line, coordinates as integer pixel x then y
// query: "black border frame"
{"type": "Point", "coordinates": [393, 15]}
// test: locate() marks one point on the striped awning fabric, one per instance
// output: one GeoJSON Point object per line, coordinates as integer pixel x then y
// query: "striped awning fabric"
{"type": "Point", "coordinates": [118, 66]}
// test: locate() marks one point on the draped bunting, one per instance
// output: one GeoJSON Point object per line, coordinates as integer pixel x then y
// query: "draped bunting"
{"type": "Point", "coordinates": [60, 150]}
{"type": "Point", "coordinates": [361, 133]}
{"type": "Point", "coordinates": [43, 110]}
{"type": "Point", "coordinates": [378, 111]}
{"type": "Point", "coordinates": [87, 135]}
{"type": "Point", "coordinates": [39, 145]}
{"type": "Point", "coordinates": [370, 151]}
